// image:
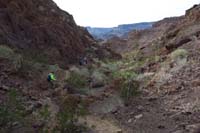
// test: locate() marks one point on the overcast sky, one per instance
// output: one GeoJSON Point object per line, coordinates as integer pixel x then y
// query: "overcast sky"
{"type": "Point", "coordinates": [109, 13]}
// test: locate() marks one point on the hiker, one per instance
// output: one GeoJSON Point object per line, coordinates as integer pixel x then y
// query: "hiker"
{"type": "Point", "coordinates": [51, 78]}
{"type": "Point", "coordinates": [83, 61]}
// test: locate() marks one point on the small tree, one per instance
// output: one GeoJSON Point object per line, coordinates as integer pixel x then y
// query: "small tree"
{"type": "Point", "coordinates": [71, 109]}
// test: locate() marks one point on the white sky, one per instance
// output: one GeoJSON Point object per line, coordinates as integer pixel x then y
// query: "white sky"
{"type": "Point", "coordinates": [110, 13]}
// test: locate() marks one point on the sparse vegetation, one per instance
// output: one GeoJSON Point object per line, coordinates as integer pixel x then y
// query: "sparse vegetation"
{"type": "Point", "coordinates": [125, 75]}
{"type": "Point", "coordinates": [38, 57]}
{"type": "Point", "coordinates": [54, 68]}
{"type": "Point", "coordinates": [179, 54]}
{"type": "Point", "coordinates": [45, 113]}
{"type": "Point", "coordinates": [110, 66]}
{"type": "Point", "coordinates": [11, 111]}
{"type": "Point", "coordinates": [128, 85]}
{"type": "Point", "coordinates": [129, 89]}
{"type": "Point", "coordinates": [76, 80]}
{"type": "Point", "coordinates": [68, 115]}
{"type": "Point", "coordinates": [98, 76]}
{"type": "Point", "coordinates": [44, 117]}
{"type": "Point", "coordinates": [6, 52]}
{"type": "Point", "coordinates": [31, 68]}
{"type": "Point", "coordinates": [135, 60]}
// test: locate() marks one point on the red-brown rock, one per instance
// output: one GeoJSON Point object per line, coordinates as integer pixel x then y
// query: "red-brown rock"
{"type": "Point", "coordinates": [40, 28]}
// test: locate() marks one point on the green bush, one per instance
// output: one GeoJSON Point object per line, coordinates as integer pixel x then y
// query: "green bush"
{"type": "Point", "coordinates": [179, 54]}
{"type": "Point", "coordinates": [129, 89]}
{"type": "Point", "coordinates": [17, 61]}
{"type": "Point", "coordinates": [45, 113]}
{"type": "Point", "coordinates": [11, 111]}
{"type": "Point", "coordinates": [43, 116]}
{"type": "Point", "coordinates": [128, 85]}
{"type": "Point", "coordinates": [36, 56]}
{"type": "Point", "coordinates": [125, 75]}
{"type": "Point", "coordinates": [76, 80]}
{"type": "Point", "coordinates": [111, 66]}
{"type": "Point", "coordinates": [68, 115]}
{"type": "Point", "coordinates": [84, 72]}
{"type": "Point", "coordinates": [98, 76]}
{"type": "Point", "coordinates": [53, 68]}
{"type": "Point", "coordinates": [31, 68]}
{"type": "Point", "coordinates": [6, 52]}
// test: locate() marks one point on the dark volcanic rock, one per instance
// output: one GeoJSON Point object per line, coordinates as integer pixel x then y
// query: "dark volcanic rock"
{"type": "Point", "coordinates": [39, 27]}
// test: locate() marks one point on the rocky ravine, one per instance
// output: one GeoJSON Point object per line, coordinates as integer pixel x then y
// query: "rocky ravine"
{"type": "Point", "coordinates": [153, 89]}
{"type": "Point", "coordinates": [36, 37]}
{"type": "Point", "coordinates": [166, 58]}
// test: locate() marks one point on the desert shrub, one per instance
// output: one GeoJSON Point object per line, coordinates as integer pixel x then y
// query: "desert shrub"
{"type": "Point", "coordinates": [71, 109]}
{"type": "Point", "coordinates": [54, 68]}
{"type": "Point", "coordinates": [84, 72]}
{"type": "Point", "coordinates": [129, 89]}
{"type": "Point", "coordinates": [31, 68]}
{"type": "Point", "coordinates": [41, 58]}
{"type": "Point", "coordinates": [110, 66]}
{"type": "Point", "coordinates": [76, 80]}
{"type": "Point", "coordinates": [98, 76]}
{"type": "Point", "coordinates": [131, 55]}
{"type": "Point", "coordinates": [157, 58]}
{"type": "Point", "coordinates": [43, 116]}
{"type": "Point", "coordinates": [11, 111]}
{"type": "Point", "coordinates": [45, 113]}
{"type": "Point", "coordinates": [128, 86]}
{"type": "Point", "coordinates": [6, 52]}
{"type": "Point", "coordinates": [125, 75]}
{"type": "Point", "coordinates": [36, 56]}
{"type": "Point", "coordinates": [179, 54]}
{"type": "Point", "coordinates": [17, 61]}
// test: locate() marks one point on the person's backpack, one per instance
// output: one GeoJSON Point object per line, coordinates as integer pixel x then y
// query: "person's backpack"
{"type": "Point", "coordinates": [81, 62]}
{"type": "Point", "coordinates": [49, 78]}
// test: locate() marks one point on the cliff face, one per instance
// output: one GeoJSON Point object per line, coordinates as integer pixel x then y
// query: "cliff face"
{"type": "Point", "coordinates": [186, 31]}
{"type": "Point", "coordinates": [169, 33]}
{"type": "Point", "coordinates": [119, 31]}
{"type": "Point", "coordinates": [35, 36]}
{"type": "Point", "coordinates": [192, 14]}
{"type": "Point", "coordinates": [166, 59]}
{"type": "Point", "coordinates": [140, 39]}
{"type": "Point", "coordinates": [39, 27]}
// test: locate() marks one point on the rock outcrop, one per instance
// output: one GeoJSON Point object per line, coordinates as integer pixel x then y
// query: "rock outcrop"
{"type": "Point", "coordinates": [119, 31]}
{"type": "Point", "coordinates": [169, 54]}
{"type": "Point", "coordinates": [168, 34]}
{"type": "Point", "coordinates": [40, 28]}
{"type": "Point", "coordinates": [117, 44]}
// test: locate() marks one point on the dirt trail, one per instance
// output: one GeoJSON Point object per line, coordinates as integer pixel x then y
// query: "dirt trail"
{"type": "Point", "coordinates": [167, 113]}
{"type": "Point", "coordinates": [97, 120]}
{"type": "Point", "coordinates": [100, 125]}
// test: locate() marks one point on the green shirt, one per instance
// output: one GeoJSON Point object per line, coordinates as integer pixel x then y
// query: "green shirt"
{"type": "Point", "coordinates": [52, 76]}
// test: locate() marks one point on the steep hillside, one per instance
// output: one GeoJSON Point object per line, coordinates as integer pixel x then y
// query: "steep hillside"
{"type": "Point", "coordinates": [117, 44]}
{"type": "Point", "coordinates": [37, 38]}
{"type": "Point", "coordinates": [40, 28]}
{"type": "Point", "coordinates": [153, 87]}
{"type": "Point", "coordinates": [119, 31]}
{"type": "Point", "coordinates": [165, 61]}
{"type": "Point", "coordinates": [141, 38]}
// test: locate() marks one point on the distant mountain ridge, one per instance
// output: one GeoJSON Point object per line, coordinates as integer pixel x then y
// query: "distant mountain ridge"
{"type": "Point", "coordinates": [119, 31]}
